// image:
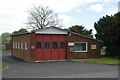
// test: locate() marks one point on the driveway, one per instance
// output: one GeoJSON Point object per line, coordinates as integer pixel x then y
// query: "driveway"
{"type": "Point", "coordinates": [67, 69]}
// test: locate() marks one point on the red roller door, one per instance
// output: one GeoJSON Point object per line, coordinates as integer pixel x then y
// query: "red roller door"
{"type": "Point", "coordinates": [62, 47]}
{"type": "Point", "coordinates": [39, 52]}
{"type": "Point", "coordinates": [47, 50]}
{"type": "Point", "coordinates": [54, 49]}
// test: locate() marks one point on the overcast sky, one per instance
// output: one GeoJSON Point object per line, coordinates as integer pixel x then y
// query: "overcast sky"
{"type": "Point", "coordinates": [13, 13]}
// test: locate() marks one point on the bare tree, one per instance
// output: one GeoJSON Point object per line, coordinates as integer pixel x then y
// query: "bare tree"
{"type": "Point", "coordinates": [41, 17]}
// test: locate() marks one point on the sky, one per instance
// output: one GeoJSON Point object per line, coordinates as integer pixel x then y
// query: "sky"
{"type": "Point", "coordinates": [14, 13]}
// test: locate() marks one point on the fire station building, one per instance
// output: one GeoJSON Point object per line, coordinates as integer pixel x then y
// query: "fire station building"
{"type": "Point", "coordinates": [54, 43]}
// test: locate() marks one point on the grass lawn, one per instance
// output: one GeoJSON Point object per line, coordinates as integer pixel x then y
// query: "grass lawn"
{"type": "Point", "coordinates": [2, 66]}
{"type": "Point", "coordinates": [113, 61]}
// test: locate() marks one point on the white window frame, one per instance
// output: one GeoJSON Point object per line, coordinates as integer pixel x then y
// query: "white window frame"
{"type": "Point", "coordinates": [13, 44]}
{"type": "Point", "coordinates": [82, 51]}
{"type": "Point", "coordinates": [21, 45]}
{"type": "Point", "coordinates": [18, 45]}
{"type": "Point", "coordinates": [25, 45]}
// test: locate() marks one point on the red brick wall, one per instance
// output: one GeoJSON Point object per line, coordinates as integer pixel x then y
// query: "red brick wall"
{"type": "Point", "coordinates": [32, 44]}
{"type": "Point", "coordinates": [91, 53]}
{"type": "Point", "coordinates": [27, 55]}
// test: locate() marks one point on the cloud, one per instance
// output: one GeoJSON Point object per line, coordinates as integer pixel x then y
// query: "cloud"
{"type": "Point", "coordinates": [97, 7]}
{"type": "Point", "coordinates": [66, 20]}
{"type": "Point", "coordinates": [79, 10]}
{"type": "Point", "coordinates": [119, 6]}
{"type": "Point", "coordinates": [112, 10]}
{"type": "Point", "coordinates": [62, 6]}
{"type": "Point", "coordinates": [13, 13]}
{"type": "Point", "coordinates": [108, 1]}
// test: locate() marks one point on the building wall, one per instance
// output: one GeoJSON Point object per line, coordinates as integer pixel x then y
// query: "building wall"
{"type": "Point", "coordinates": [30, 53]}
{"type": "Point", "coordinates": [91, 53]}
{"type": "Point", "coordinates": [33, 40]}
{"type": "Point", "coordinates": [25, 54]}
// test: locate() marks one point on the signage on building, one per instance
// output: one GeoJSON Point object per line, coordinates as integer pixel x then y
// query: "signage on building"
{"type": "Point", "coordinates": [70, 43]}
{"type": "Point", "coordinates": [93, 46]}
{"type": "Point", "coordinates": [32, 47]}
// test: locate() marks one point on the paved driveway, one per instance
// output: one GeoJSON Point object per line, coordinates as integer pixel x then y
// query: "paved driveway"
{"type": "Point", "coordinates": [20, 69]}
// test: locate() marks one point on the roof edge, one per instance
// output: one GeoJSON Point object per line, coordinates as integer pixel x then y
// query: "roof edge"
{"type": "Point", "coordinates": [85, 36]}
{"type": "Point", "coordinates": [21, 34]}
{"type": "Point", "coordinates": [33, 31]}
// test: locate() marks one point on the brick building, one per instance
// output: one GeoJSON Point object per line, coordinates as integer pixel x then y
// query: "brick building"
{"type": "Point", "coordinates": [54, 43]}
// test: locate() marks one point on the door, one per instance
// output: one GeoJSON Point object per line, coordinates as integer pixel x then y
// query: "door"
{"type": "Point", "coordinates": [54, 49]}
{"type": "Point", "coordinates": [38, 48]}
{"type": "Point", "coordinates": [50, 47]}
{"type": "Point", "coordinates": [46, 46]}
{"type": "Point", "coordinates": [62, 47]}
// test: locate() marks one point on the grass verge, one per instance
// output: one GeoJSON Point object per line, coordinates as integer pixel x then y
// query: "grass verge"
{"type": "Point", "coordinates": [2, 66]}
{"type": "Point", "coordinates": [112, 61]}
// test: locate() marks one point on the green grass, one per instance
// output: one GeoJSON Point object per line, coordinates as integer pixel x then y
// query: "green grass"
{"type": "Point", "coordinates": [113, 61]}
{"type": "Point", "coordinates": [2, 66]}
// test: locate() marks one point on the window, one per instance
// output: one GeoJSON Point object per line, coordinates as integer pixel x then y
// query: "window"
{"type": "Point", "coordinates": [54, 45]}
{"type": "Point", "coordinates": [47, 46]}
{"type": "Point", "coordinates": [62, 44]}
{"type": "Point", "coordinates": [13, 45]}
{"type": "Point", "coordinates": [80, 47]}
{"type": "Point", "coordinates": [21, 45]}
{"type": "Point", "coordinates": [38, 45]}
{"type": "Point", "coordinates": [16, 44]}
{"type": "Point", "coordinates": [25, 45]}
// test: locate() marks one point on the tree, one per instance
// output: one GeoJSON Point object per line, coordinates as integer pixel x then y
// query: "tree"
{"type": "Point", "coordinates": [108, 31]}
{"type": "Point", "coordinates": [81, 30]}
{"type": "Point", "coordinates": [0, 37]}
{"type": "Point", "coordinates": [20, 31]}
{"type": "Point", "coordinates": [41, 17]}
{"type": "Point", "coordinates": [6, 37]}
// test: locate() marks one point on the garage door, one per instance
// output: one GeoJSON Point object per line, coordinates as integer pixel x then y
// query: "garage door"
{"type": "Point", "coordinates": [50, 47]}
